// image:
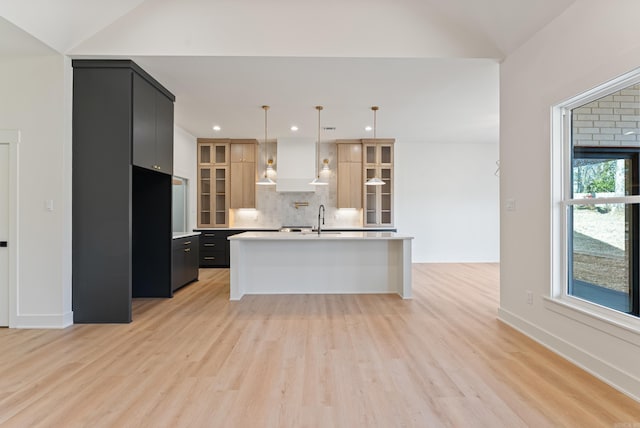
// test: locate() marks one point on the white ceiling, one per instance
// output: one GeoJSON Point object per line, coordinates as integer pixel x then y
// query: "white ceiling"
{"type": "Point", "coordinates": [434, 99]}
{"type": "Point", "coordinates": [431, 65]}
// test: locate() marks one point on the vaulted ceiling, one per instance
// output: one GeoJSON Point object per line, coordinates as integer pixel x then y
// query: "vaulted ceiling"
{"type": "Point", "coordinates": [432, 65]}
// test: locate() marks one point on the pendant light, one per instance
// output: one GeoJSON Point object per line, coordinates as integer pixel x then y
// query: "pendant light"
{"type": "Point", "coordinates": [317, 181]}
{"type": "Point", "coordinates": [374, 181]}
{"type": "Point", "coordinates": [266, 181]}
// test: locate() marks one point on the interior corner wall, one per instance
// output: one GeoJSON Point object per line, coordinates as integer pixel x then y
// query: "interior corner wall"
{"type": "Point", "coordinates": [590, 43]}
{"type": "Point", "coordinates": [184, 165]}
{"type": "Point", "coordinates": [447, 197]}
{"type": "Point", "coordinates": [34, 98]}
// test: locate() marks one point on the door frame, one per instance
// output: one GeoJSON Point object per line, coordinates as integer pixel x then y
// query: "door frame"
{"type": "Point", "coordinates": [12, 138]}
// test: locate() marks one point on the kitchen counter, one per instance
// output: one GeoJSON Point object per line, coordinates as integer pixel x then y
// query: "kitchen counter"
{"type": "Point", "coordinates": [178, 235]}
{"type": "Point", "coordinates": [329, 263]}
{"type": "Point", "coordinates": [271, 229]}
{"type": "Point", "coordinates": [314, 236]}
{"type": "Point", "coordinates": [266, 229]}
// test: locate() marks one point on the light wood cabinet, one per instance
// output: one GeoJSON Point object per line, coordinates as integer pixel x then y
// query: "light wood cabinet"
{"type": "Point", "coordinates": [213, 151]}
{"type": "Point", "coordinates": [213, 182]}
{"type": "Point", "coordinates": [349, 173]}
{"type": "Point", "coordinates": [243, 174]}
{"type": "Point", "coordinates": [378, 200]}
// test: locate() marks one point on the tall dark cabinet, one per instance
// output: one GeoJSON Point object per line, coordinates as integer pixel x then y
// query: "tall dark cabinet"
{"type": "Point", "coordinates": [122, 166]}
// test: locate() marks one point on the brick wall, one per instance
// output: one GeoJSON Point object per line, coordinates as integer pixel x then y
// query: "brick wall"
{"type": "Point", "coordinates": [613, 120]}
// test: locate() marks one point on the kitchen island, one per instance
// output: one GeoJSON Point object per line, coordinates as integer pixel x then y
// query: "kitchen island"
{"type": "Point", "coordinates": [329, 263]}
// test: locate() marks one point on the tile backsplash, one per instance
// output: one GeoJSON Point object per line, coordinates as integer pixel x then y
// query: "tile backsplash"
{"type": "Point", "coordinates": [274, 209]}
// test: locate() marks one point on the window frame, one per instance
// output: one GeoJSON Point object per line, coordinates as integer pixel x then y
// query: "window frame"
{"type": "Point", "coordinates": [559, 300]}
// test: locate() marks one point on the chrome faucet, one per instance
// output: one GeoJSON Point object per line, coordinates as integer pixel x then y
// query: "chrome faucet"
{"type": "Point", "coordinates": [320, 209]}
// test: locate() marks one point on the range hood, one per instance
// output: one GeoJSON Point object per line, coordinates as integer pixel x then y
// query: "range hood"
{"type": "Point", "coordinates": [296, 164]}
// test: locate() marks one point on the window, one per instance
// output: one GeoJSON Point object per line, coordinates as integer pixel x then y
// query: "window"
{"type": "Point", "coordinates": [179, 202]}
{"type": "Point", "coordinates": [597, 197]}
{"type": "Point", "coordinates": [603, 240]}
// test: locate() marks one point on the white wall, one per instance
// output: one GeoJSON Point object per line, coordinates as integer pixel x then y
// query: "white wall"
{"type": "Point", "coordinates": [592, 42]}
{"type": "Point", "coordinates": [447, 197]}
{"type": "Point", "coordinates": [184, 165]}
{"type": "Point", "coordinates": [35, 98]}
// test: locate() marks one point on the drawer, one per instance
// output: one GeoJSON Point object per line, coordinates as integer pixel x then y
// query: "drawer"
{"type": "Point", "coordinates": [214, 259]}
{"type": "Point", "coordinates": [191, 243]}
{"type": "Point", "coordinates": [213, 245]}
{"type": "Point", "coordinates": [216, 235]}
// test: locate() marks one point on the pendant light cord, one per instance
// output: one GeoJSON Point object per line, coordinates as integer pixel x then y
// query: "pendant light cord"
{"type": "Point", "coordinates": [375, 110]}
{"type": "Point", "coordinates": [374, 181]}
{"type": "Point", "coordinates": [266, 147]}
{"type": "Point", "coordinates": [319, 108]}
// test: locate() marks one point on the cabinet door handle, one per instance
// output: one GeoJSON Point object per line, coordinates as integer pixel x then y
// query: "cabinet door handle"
{"type": "Point", "coordinates": [187, 250]}
{"type": "Point", "coordinates": [209, 258]}
{"type": "Point", "coordinates": [187, 243]}
{"type": "Point", "coordinates": [209, 245]}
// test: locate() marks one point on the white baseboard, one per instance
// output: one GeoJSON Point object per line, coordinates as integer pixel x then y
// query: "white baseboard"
{"type": "Point", "coordinates": [616, 378]}
{"type": "Point", "coordinates": [50, 321]}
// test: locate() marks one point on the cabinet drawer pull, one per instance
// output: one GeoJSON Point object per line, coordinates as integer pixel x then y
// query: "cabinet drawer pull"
{"type": "Point", "coordinates": [187, 243]}
{"type": "Point", "coordinates": [209, 258]}
{"type": "Point", "coordinates": [209, 234]}
{"type": "Point", "coordinates": [209, 245]}
{"type": "Point", "coordinates": [187, 250]}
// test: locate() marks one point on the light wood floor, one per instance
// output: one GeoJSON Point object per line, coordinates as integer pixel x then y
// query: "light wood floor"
{"type": "Point", "coordinates": [441, 359]}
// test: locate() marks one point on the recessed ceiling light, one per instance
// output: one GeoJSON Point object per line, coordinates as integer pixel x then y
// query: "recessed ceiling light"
{"type": "Point", "coordinates": [368, 128]}
{"type": "Point", "coordinates": [216, 128]}
{"type": "Point", "coordinates": [294, 128]}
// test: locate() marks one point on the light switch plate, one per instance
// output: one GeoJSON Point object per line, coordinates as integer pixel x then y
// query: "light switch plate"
{"type": "Point", "coordinates": [510, 204]}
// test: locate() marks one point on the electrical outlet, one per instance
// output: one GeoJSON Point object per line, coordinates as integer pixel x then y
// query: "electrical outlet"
{"type": "Point", "coordinates": [510, 204]}
{"type": "Point", "coordinates": [529, 297]}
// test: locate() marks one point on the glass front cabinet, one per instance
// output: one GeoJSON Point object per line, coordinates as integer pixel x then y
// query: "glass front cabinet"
{"type": "Point", "coordinates": [213, 182]}
{"type": "Point", "coordinates": [378, 200]}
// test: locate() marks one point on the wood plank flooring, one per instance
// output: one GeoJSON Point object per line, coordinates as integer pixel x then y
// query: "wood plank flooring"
{"type": "Point", "coordinates": [199, 360]}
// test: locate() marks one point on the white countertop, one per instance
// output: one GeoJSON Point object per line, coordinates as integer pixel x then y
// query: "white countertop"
{"type": "Point", "coordinates": [313, 236]}
{"type": "Point", "coordinates": [275, 229]}
{"type": "Point", "coordinates": [177, 235]}
{"type": "Point", "coordinates": [329, 263]}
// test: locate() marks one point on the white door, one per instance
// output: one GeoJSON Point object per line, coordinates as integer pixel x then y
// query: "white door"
{"type": "Point", "coordinates": [4, 235]}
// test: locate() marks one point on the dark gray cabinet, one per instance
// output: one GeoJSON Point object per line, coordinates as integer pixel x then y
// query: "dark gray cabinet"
{"type": "Point", "coordinates": [152, 127]}
{"type": "Point", "coordinates": [185, 261]}
{"type": "Point", "coordinates": [121, 212]}
{"type": "Point", "coordinates": [215, 248]}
